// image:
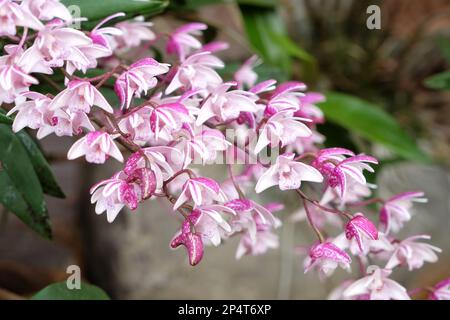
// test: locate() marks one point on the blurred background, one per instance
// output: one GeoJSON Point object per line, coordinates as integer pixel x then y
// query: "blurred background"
{"type": "Point", "coordinates": [388, 95]}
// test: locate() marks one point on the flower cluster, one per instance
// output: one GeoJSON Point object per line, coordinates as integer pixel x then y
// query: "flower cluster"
{"type": "Point", "coordinates": [171, 116]}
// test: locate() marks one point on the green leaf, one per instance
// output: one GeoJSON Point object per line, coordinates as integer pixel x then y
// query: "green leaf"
{"type": "Point", "coordinates": [444, 46]}
{"type": "Point", "coordinates": [12, 200]}
{"type": "Point", "coordinates": [440, 81]}
{"type": "Point", "coordinates": [372, 123]}
{"type": "Point", "coordinates": [292, 48]}
{"type": "Point", "coordinates": [96, 10]}
{"type": "Point", "coordinates": [259, 3]}
{"type": "Point", "coordinates": [4, 118]}
{"type": "Point", "coordinates": [192, 4]}
{"type": "Point", "coordinates": [260, 25]}
{"type": "Point", "coordinates": [18, 167]}
{"type": "Point", "coordinates": [41, 166]}
{"type": "Point", "coordinates": [59, 291]}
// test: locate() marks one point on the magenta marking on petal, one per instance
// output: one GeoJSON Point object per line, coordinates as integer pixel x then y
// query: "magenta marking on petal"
{"type": "Point", "coordinates": [442, 284]}
{"type": "Point", "coordinates": [239, 205]}
{"type": "Point", "coordinates": [215, 46]}
{"type": "Point", "coordinates": [262, 86]}
{"type": "Point", "coordinates": [359, 226]}
{"type": "Point", "coordinates": [334, 151]}
{"type": "Point", "coordinates": [146, 179]}
{"type": "Point", "coordinates": [274, 206]}
{"type": "Point", "coordinates": [120, 92]}
{"type": "Point", "coordinates": [128, 196]}
{"type": "Point", "coordinates": [145, 62]}
{"type": "Point", "coordinates": [99, 39]}
{"type": "Point", "coordinates": [92, 136]}
{"type": "Point", "coordinates": [359, 158]}
{"type": "Point", "coordinates": [192, 242]}
{"type": "Point", "coordinates": [177, 107]}
{"type": "Point", "coordinates": [330, 251]}
{"type": "Point", "coordinates": [193, 26]}
{"type": "Point", "coordinates": [76, 83]}
{"type": "Point", "coordinates": [131, 163]}
{"type": "Point", "coordinates": [288, 87]}
{"type": "Point", "coordinates": [407, 195]}
{"type": "Point", "coordinates": [312, 98]}
{"type": "Point", "coordinates": [208, 182]}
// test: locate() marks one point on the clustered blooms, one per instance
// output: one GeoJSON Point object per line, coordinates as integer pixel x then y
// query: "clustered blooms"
{"type": "Point", "coordinates": [171, 116]}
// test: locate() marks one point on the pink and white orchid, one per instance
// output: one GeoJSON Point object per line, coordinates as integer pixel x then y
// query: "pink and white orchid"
{"type": "Point", "coordinates": [113, 194]}
{"type": "Point", "coordinates": [337, 169]}
{"type": "Point", "coordinates": [140, 77]}
{"type": "Point", "coordinates": [326, 257]}
{"type": "Point", "coordinates": [412, 253]}
{"type": "Point", "coordinates": [13, 15]}
{"type": "Point", "coordinates": [441, 291]}
{"type": "Point", "coordinates": [182, 40]}
{"type": "Point", "coordinates": [132, 33]}
{"type": "Point", "coordinates": [80, 96]}
{"type": "Point", "coordinates": [97, 146]}
{"type": "Point", "coordinates": [197, 72]}
{"type": "Point", "coordinates": [282, 128]}
{"type": "Point", "coordinates": [288, 174]}
{"type": "Point", "coordinates": [189, 239]}
{"type": "Point", "coordinates": [201, 190]}
{"type": "Point", "coordinates": [397, 210]}
{"type": "Point", "coordinates": [245, 76]}
{"type": "Point", "coordinates": [285, 97]}
{"type": "Point", "coordinates": [361, 228]}
{"type": "Point", "coordinates": [377, 286]}
{"type": "Point", "coordinates": [224, 105]}
{"type": "Point", "coordinates": [46, 9]}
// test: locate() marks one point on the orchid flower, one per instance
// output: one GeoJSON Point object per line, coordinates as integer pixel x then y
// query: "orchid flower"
{"type": "Point", "coordinates": [12, 15]}
{"type": "Point", "coordinates": [282, 128]}
{"type": "Point", "coordinates": [225, 105]}
{"type": "Point", "coordinates": [361, 228]}
{"type": "Point", "coordinates": [46, 9]}
{"type": "Point", "coordinates": [397, 210]}
{"type": "Point", "coordinates": [132, 33]}
{"type": "Point", "coordinates": [288, 174]}
{"type": "Point", "coordinates": [97, 146]}
{"type": "Point", "coordinates": [197, 72]}
{"type": "Point", "coordinates": [326, 257]}
{"type": "Point", "coordinates": [377, 286]}
{"type": "Point", "coordinates": [412, 253]}
{"type": "Point", "coordinates": [140, 77]}
{"type": "Point", "coordinates": [201, 190]}
{"type": "Point", "coordinates": [441, 291]}
{"type": "Point", "coordinates": [337, 169]}
{"type": "Point", "coordinates": [181, 41]}
{"type": "Point", "coordinates": [245, 76]}
{"type": "Point", "coordinates": [113, 194]}
{"type": "Point", "coordinates": [80, 96]}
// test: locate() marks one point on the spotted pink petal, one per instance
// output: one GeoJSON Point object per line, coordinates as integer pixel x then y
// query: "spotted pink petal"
{"type": "Point", "coordinates": [328, 250]}
{"type": "Point", "coordinates": [239, 205]}
{"type": "Point", "coordinates": [193, 243]}
{"type": "Point", "coordinates": [128, 196]}
{"type": "Point", "coordinates": [131, 164]}
{"type": "Point", "coordinates": [146, 179]}
{"type": "Point", "coordinates": [207, 182]}
{"type": "Point", "coordinates": [360, 226]}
